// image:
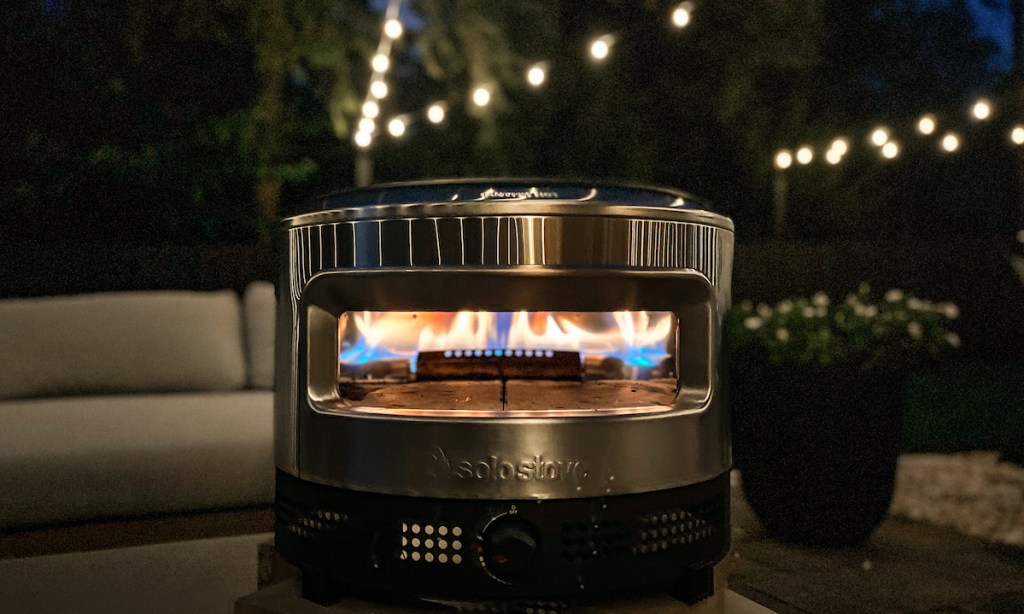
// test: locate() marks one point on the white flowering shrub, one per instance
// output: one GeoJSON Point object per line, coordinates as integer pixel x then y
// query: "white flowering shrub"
{"type": "Point", "coordinates": [896, 331]}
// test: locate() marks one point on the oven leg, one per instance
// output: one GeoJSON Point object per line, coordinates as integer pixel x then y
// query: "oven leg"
{"type": "Point", "coordinates": [694, 585]}
{"type": "Point", "coordinates": [318, 587]}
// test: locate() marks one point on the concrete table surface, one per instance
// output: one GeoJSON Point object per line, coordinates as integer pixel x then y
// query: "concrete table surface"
{"type": "Point", "coordinates": [282, 598]}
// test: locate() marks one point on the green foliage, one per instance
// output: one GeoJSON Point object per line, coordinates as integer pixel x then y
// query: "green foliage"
{"type": "Point", "coordinates": [898, 333]}
{"type": "Point", "coordinates": [194, 120]}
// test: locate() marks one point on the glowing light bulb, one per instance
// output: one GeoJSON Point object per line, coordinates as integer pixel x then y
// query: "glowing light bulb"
{"type": "Point", "coordinates": [783, 159]}
{"type": "Point", "coordinates": [435, 113]}
{"type": "Point", "coordinates": [681, 15]}
{"type": "Point", "coordinates": [1017, 135]}
{"type": "Point", "coordinates": [363, 139]}
{"type": "Point", "coordinates": [880, 136]}
{"type": "Point", "coordinates": [378, 89]}
{"type": "Point", "coordinates": [367, 125]}
{"type": "Point", "coordinates": [396, 127]}
{"type": "Point", "coordinates": [926, 125]}
{"type": "Point", "coordinates": [393, 29]}
{"type": "Point", "coordinates": [380, 63]}
{"type": "Point", "coordinates": [950, 142]}
{"type": "Point", "coordinates": [804, 155]}
{"type": "Point", "coordinates": [981, 110]}
{"type": "Point", "coordinates": [481, 96]}
{"type": "Point", "coordinates": [832, 156]}
{"type": "Point", "coordinates": [601, 48]}
{"type": "Point", "coordinates": [840, 146]}
{"type": "Point", "coordinates": [890, 150]}
{"type": "Point", "coordinates": [371, 109]}
{"type": "Point", "coordinates": [536, 75]}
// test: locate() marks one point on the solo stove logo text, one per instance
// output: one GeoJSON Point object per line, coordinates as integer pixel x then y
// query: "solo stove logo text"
{"type": "Point", "coordinates": [498, 468]}
{"type": "Point", "coordinates": [518, 194]}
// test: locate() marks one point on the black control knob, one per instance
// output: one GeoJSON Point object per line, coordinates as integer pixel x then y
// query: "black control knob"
{"type": "Point", "coordinates": [510, 547]}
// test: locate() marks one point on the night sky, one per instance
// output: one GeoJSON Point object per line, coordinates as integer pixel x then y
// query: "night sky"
{"type": "Point", "coordinates": [996, 24]}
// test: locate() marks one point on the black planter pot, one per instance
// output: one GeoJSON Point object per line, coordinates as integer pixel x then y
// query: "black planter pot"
{"type": "Point", "coordinates": [817, 449]}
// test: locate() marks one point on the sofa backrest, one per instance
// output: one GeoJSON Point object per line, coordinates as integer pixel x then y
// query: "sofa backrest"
{"type": "Point", "coordinates": [259, 305]}
{"type": "Point", "coordinates": [122, 342]}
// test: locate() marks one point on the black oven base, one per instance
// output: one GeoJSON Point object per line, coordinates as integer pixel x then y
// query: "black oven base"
{"type": "Point", "coordinates": [555, 551]}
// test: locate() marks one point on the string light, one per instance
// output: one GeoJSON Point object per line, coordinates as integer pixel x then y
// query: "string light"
{"type": "Point", "coordinates": [601, 47]}
{"type": "Point", "coordinates": [950, 142]}
{"type": "Point", "coordinates": [393, 29]}
{"type": "Point", "coordinates": [981, 110]}
{"type": "Point", "coordinates": [380, 63]}
{"type": "Point", "coordinates": [880, 136]}
{"type": "Point", "coordinates": [363, 139]}
{"type": "Point", "coordinates": [537, 74]}
{"type": "Point", "coordinates": [378, 89]}
{"type": "Point", "coordinates": [371, 109]}
{"type": "Point", "coordinates": [783, 159]}
{"type": "Point", "coordinates": [396, 127]}
{"type": "Point", "coordinates": [926, 125]}
{"type": "Point", "coordinates": [436, 113]}
{"type": "Point", "coordinates": [1017, 135]}
{"type": "Point", "coordinates": [600, 50]}
{"type": "Point", "coordinates": [481, 96]}
{"type": "Point", "coordinates": [681, 15]}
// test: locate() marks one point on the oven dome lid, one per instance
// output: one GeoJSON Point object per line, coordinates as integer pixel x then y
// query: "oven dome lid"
{"type": "Point", "coordinates": [478, 190]}
{"type": "Point", "coordinates": [485, 197]}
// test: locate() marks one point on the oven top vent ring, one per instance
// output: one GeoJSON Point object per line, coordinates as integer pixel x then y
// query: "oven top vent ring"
{"type": "Point", "coordinates": [486, 197]}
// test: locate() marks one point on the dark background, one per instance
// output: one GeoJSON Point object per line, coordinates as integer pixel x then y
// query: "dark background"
{"type": "Point", "coordinates": [155, 145]}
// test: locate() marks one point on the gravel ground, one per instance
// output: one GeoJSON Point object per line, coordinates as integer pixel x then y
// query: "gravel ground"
{"type": "Point", "coordinates": [972, 493]}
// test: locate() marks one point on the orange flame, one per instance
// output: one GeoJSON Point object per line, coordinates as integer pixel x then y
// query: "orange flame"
{"type": "Point", "coordinates": [384, 334]}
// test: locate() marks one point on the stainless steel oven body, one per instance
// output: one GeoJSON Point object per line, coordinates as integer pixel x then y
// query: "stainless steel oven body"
{"type": "Point", "coordinates": [553, 472]}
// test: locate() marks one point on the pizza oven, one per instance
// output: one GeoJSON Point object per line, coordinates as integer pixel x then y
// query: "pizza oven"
{"type": "Point", "coordinates": [502, 393]}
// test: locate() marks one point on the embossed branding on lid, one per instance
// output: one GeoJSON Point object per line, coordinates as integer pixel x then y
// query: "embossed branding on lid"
{"type": "Point", "coordinates": [496, 194]}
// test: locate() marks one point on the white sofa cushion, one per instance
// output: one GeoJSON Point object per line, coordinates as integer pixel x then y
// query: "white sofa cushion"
{"type": "Point", "coordinates": [83, 458]}
{"type": "Point", "coordinates": [121, 342]}
{"type": "Point", "coordinates": [259, 306]}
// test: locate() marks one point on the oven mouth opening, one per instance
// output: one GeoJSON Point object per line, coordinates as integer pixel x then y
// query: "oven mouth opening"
{"type": "Point", "coordinates": [507, 362]}
{"type": "Point", "coordinates": [377, 344]}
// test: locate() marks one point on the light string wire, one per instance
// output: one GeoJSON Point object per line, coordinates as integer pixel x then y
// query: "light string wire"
{"type": "Point", "coordinates": [481, 94]}
{"type": "Point", "coordinates": [949, 139]}
{"type": "Point", "coordinates": [380, 65]}
{"type": "Point", "coordinates": [600, 49]}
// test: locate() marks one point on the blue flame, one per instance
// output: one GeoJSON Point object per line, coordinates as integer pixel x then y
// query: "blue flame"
{"type": "Point", "coordinates": [358, 351]}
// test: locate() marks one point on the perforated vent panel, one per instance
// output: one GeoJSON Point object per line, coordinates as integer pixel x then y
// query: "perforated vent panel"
{"type": "Point", "coordinates": [424, 542]}
{"type": "Point", "coordinates": [646, 534]}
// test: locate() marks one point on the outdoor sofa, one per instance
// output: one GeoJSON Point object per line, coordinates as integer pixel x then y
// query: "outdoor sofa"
{"type": "Point", "coordinates": [135, 404]}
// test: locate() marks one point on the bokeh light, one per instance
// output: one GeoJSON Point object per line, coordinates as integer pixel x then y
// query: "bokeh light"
{"type": "Point", "coordinates": [435, 113]}
{"type": "Point", "coordinates": [950, 142]}
{"type": "Point", "coordinates": [880, 136]}
{"type": "Point", "coordinates": [396, 127]}
{"type": "Point", "coordinates": [481, 96]}
{"type": "Point", "coordinates": [982, 109]}
{"type": "Point", "coordinates": [783, 159]}
{"type": "Point", "coordinates": [926, 125]}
